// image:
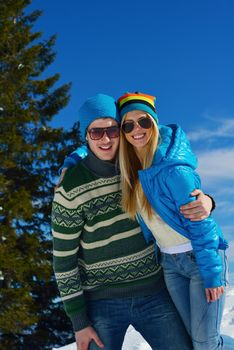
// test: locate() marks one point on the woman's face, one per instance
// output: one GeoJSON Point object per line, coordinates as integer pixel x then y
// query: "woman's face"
{"type": "Point", "coordinates": [139, 136]}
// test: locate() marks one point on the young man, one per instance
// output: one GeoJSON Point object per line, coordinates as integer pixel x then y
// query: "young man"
{"type": "Point", "coordinates": [107, 275]}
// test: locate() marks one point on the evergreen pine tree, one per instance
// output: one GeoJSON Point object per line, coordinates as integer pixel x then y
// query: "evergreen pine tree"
{"type": "Point", "coordinates": [30, 153]}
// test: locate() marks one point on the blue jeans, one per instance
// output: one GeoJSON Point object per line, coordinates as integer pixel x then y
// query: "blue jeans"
{"type": "Point", "coordinates": [154, 317]}
{"type": "Point", "coordinates": [202, 319]}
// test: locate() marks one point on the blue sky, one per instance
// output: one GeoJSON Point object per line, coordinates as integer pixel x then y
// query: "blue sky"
{"type": "Point", "coordinates": [181, 51]}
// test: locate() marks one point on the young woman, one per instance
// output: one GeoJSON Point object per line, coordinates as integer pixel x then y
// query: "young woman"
{"type": "Point", "coordinates": [158, 175]}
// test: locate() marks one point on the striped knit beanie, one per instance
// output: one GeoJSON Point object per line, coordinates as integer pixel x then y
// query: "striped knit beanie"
{"type": "Point", "coordinates": [137, 101]}
{"type": "Point", "coordinates": [98, 106]}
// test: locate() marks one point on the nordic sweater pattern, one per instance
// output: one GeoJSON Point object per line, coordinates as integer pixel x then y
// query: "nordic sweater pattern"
{"type": "Point", "coordinates": [99, 252]}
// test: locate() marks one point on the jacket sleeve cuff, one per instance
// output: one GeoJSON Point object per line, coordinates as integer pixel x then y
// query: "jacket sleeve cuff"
{"type": "Point", "coordinates": [68, 163]}
{"type": "Point", "coordinates": [213, 283]}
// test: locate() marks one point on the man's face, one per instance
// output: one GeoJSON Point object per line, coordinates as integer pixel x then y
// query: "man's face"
{"type": "Point", "coordinates": [106, 147]}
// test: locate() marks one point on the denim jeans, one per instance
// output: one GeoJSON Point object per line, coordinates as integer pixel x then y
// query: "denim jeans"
{"type": "Point", "coordinates": [154, 317]}
{"type": "Point", "coordinates": [202, 319]}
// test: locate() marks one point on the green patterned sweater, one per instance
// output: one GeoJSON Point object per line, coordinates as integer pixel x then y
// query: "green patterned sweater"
{"type": "Point", "coordinates": [99, 252]}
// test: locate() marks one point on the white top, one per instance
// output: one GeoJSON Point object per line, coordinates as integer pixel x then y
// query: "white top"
{"type": "Point", "coordinates": [168, 240]}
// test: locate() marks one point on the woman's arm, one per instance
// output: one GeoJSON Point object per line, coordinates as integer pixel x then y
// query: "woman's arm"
{"type": "Point", "coordinates": [74, 158]}
{"type": "Point", "coordinates": [70, 161]}
{"type": "Point", "coordinates": [205, 235]}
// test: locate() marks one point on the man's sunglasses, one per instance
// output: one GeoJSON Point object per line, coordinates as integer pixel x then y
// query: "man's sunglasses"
{"type": "Point", "coordinates": [143, 122]}
{"type": "Point", "coordinates": [97, 133]}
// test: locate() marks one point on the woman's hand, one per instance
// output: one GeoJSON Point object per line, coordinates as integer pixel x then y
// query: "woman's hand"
{"type": "Point", "coordinates": [213, 294]}
{"type": "Point", "coordinates": [60, 178]}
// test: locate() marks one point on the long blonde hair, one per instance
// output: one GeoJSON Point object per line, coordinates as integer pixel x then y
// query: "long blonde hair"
{"type": "Point", "coordinates": [130, 164]}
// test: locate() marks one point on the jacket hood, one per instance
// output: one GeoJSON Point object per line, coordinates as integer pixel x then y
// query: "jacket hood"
{"type": "Point", "coordinates": [174, 148]}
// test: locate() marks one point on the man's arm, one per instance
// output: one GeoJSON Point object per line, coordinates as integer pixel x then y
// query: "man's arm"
{"type": "Point", "coordinates": [67, 224]}
{"type": "Point", "coordinates": [195, 211]}
{"type": "Point", "coordinates": [199, 209]}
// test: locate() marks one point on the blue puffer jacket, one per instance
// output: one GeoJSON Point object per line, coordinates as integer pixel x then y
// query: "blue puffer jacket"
{"type": "Point", "coordinates": [167, 184]}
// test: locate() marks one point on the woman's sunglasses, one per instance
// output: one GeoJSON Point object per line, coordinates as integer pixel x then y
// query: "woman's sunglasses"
{"type": "Point", "coordinates": [97, 133]}
{"type": "Point", "coordinates": [143, 122]}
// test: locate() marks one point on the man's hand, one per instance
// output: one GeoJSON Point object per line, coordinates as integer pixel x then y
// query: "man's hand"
{"type": "Point", "coordinates": [85, 336]}
{"type": "Point", "coordinates": [199, 209]}
{"type": "Point", "coordinates": [213, 294]}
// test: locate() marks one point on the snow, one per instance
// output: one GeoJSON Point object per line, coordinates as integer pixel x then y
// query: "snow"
{"type": "Point", "coordinates": [134, 341]}
{"type": "Point", "coordinates": [228, 315]}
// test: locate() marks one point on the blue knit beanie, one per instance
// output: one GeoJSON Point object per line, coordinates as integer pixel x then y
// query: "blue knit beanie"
{"type": "Point", "coordinates": [98, 106]}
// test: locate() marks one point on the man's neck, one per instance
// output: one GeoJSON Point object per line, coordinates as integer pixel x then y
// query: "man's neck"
{"type": "Point", "coordinates": [101, 167]}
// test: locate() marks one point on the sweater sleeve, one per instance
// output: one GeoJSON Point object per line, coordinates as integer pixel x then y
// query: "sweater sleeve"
{"type": "Point", "coordinates": [212, 200]}
{"type": "Point", "coordinates": [205, 234]}
{"type": "Point", "coordinates": [67, 224]}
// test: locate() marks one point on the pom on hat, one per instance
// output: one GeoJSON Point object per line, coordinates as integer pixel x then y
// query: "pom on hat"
{"type": "Point", "coordinates": [137, 101]}
{"type": "Point", "coordinates": [98, 106]}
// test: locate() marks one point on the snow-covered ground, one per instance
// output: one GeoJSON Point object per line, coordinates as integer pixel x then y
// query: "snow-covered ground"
{"type": "Point", "coordinates": [228, 315]}
{"type": "Point", "coordinates": [134, 341]}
